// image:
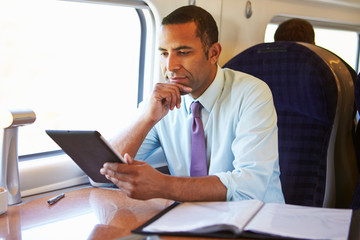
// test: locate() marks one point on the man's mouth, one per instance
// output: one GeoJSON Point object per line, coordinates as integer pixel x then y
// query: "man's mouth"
{"type": "Point", "coordinates": [176, 79]}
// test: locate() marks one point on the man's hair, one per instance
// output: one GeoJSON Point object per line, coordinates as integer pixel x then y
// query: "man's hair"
{"type": "Point", "coordinates": [295, 30]}
{"type": "Point", "coordinates": [206, 28]}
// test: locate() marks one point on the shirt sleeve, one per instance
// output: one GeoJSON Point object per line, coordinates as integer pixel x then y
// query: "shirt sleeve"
{"type": "Point", "coordinates": [255, 149]}
{"type": "Point", "coordinates": [151, 142]}
{"type": "Point", "coordinates": [149, 146]}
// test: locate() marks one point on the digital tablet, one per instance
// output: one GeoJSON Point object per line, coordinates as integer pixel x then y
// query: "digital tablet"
{"type": "Point", "coordinates": [88, 149]}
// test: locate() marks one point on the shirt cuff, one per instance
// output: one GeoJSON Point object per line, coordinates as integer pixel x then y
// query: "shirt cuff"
{"type": "Point", "coordinates": [225, 180]}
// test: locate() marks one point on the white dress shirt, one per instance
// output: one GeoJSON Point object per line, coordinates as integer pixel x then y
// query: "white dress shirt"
{"type": "Point", "coordinates": [240, 125]}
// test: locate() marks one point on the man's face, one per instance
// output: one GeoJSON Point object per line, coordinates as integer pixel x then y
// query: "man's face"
{"type": "Point", "coordinates": [183, 60]}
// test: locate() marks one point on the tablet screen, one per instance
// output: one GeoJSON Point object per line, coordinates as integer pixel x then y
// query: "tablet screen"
{"type": "Point", "coordinates": [88, 149]}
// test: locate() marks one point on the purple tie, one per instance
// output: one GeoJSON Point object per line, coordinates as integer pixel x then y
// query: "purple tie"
{"type": "Point", "coordinates": [198, 149]}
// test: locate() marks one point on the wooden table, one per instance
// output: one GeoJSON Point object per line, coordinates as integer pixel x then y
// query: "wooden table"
{"type": "Point", "coordinates": [86, 213]}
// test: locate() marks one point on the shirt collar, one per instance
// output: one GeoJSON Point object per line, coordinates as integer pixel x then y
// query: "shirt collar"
{"type": "Point", "coordinates": [208, 98]}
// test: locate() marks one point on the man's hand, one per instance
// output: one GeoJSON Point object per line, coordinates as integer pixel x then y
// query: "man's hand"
{"type": "Point", "coordinates": [136, 178]}
{"type": "Point", "coordinates": [165, 97]}
{"type": "Point", "coordinates": [141, 181]}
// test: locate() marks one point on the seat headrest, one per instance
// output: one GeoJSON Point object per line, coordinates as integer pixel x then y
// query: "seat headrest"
{"type": "Point", "coordinates": [301, 82]}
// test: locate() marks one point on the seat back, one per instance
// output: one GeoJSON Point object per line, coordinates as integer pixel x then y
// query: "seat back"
{"type": "Point", "coordinates": [355, 204]}
{"type": "Point", "coordinates": [357, 129]}
{"type": "Point", "coordinates": [309, 101]}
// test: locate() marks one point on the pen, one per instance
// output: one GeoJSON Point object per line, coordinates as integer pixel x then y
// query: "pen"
{"type": "Point", "coordinates": [53, 200]}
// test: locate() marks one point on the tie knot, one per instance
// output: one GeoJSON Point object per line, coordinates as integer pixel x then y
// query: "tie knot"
{"type": "Point", "coordinates": [195, 109]}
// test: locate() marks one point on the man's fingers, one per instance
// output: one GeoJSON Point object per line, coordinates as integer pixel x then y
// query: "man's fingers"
{"type": "Point", "coordinates": [171, 93]}
{"type": "Point", "coordinates": [111, 166]}
{"type": "Point", "coordinates": [128, 159]}
{"type": "Point", "coordinates": [113, 169]}
{"type": "Point", "coordinates": [114, 175]}
{"type": "Point", "coordinates": [185, 90]}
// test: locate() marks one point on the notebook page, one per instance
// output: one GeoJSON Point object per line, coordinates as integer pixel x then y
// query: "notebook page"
{"type": "Point", "coordinates": [302, 222]}
{"type": "Point", "coordinates": [188, 217]}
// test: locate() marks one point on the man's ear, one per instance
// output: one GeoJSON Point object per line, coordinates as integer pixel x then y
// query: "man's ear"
{"type": "Point", "coordinates": [214, 52]}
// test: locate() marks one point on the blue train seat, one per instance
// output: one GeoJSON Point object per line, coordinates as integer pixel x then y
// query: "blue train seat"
{"type": "Point", "coordinates": [357, 130]}
{"type": "Point", "coordinates": [313, 97]}
{"type": "Point", "coordinates": [355, 204]}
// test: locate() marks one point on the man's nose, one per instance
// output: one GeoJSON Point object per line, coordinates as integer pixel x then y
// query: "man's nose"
{"type": "Point", "coordinates": [172, 63]}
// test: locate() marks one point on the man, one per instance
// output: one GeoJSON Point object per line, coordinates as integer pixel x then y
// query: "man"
{"type": "Point", "coordinates": [295, 29]}
{"type": "Point", "coordinates": [238, 116]}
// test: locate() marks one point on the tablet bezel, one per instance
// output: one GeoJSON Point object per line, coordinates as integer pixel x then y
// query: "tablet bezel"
{"type": "Point", "coordinates": [88, 149]}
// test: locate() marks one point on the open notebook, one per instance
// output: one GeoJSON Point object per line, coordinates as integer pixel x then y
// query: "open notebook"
{"type": "Point", "coordinates": [250, 218]}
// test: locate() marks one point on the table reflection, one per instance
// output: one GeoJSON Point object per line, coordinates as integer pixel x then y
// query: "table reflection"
{"type": "Point", "coordinates": [86, 213]}
{"type": "Point", "coordinates": [64, 229]}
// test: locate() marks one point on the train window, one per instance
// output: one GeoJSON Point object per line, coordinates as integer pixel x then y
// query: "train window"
{"type": "Point", "coordinates": [344, 43]}
{"type": "Point", "coordinates": [76, 64]}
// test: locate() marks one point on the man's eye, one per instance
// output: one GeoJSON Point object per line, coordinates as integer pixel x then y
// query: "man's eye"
{"type": "Point", "coordinates": [164, 54]}
{"type": "Point", "coordinates": [183, 53]}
